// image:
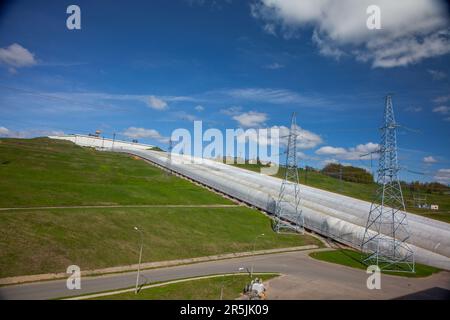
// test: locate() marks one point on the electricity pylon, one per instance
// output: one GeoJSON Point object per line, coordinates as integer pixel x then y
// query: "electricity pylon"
{"type": "Point", "coordinates": [169, 158]}
{"type": "Point", "coordinates": [288, 214]}
{"type": "Point", "coordinates": [385, 238]}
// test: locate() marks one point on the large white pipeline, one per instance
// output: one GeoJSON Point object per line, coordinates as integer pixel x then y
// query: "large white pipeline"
{"type": "Point", "coordinates": [333, 215]}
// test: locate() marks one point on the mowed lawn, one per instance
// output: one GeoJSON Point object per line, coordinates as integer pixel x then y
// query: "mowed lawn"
{"type": "Point", "coordinates": [34, 242]}
{"type": "Point", "coordinates": [46, 172]}
{"type": "Point", "coordinates": [364, 191]}
{"type": "Point", "coordinates": [352, 258]}
{"type": "Point", "coordinates": [230, 287]}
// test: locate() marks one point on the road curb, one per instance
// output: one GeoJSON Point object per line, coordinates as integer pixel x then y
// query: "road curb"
{"type": "Point", "coordinates": [148, 265]}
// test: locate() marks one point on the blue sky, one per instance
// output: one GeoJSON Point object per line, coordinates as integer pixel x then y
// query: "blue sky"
{"type": "Point", "coordinates": [144, 68]}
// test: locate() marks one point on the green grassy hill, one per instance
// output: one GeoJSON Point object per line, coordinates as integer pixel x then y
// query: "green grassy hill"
{"type": "Point", "coordinates": [352, 258]}
{"type": "Point", "coordinates": [363, 191]}
{"type": "Point", "coordinates": [43, 172]}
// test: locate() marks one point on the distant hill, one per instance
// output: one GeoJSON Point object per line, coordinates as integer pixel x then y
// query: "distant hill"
{"type": "Point", "coordinates": [347, 173]}
{"type": "Point", "coordinates": [156, 149]}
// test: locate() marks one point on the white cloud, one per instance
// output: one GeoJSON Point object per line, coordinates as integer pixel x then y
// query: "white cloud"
{"type": "Point", "coordinates": [16, 56]}
{"type": "Point", "coordinates": [156, 103]}
{"type": "Point", "coordinates": [443, 176]}
{"type": "Point", "coordinates": [270, 29]}
{"type": "Point", "coordinates": [30, 133]}
{"type": "Point", "coordinates": [305, 139]}
{"type": "Point", "coordinates": [353, 153]}
{"type": "Point", "coordinates": [442, 109]}
{"type": "Point", "coordinates": [303, 156]}
{"type": "Point", "coordinates": [184, 116]}
{"type": "Point", "coordinates": [231, 111]}
{"type": "Point", "coordinates": [437, 74]}
{"type": "Point", "coordinates": [442, 99]}
{"type": "Point", "coordinates": [274, 66]}
{"type": "Point", "coordinates": [159, 103]}
{"type": "Point", "coordinates": [255, 136]}
{"type": "Point", "coordinates": [429, 159]}
{"type": "Point", "coordinates": [251, 119]}
{"type": "Point", "coordinates": [328, 150]}
{"type": "Point", "coordinates": [325, 48]}
{"type": "Point", "coordinates": [4, 132]}
{"type": "Point", "coordinates": [274, 96]}
{"type": "Point", "coordinates": [329, 161]}
{"type": "Point", "coordinates": [199, 108]}
{"type": "Point", "coordinates": [408, 50]}
{"type": "Point", "coordinates": [137, 133]}
{"type": "Point", "coordinates": [411, 30]}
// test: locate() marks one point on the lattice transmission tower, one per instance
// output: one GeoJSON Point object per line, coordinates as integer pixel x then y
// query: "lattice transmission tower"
{"type": "Point", "coordinates": [288, 214]}
{"type": "Point", "coordinates": [385, 238]}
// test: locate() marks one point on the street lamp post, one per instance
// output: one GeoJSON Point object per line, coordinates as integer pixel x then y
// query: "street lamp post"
{"type": "Point", "coordinates": [114, 139]}
{"type": "Point", "coordinates": [242, 269]}
{"type": "Point", "coordinates": [140, 257]}
{"type": "Point", "coordinates": [254, 245]}
{"type": "Point", "coordinates": [221, 289]}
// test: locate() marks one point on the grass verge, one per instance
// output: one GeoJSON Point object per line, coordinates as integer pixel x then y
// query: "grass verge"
{"type": "Point", "coordinates": [351, 258]}
{"type": "Point", "coordinates": [194, 289]}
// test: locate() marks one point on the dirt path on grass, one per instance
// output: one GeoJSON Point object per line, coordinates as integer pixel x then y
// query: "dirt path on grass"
{"type": "Point", "coordinates": [127, 206]}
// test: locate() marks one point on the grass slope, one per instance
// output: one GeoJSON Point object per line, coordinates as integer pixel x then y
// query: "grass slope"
{"type": "Point", "coordinates": [49, 241]}
{"type": "Point", "coordinates": [363, 191]}
{"type": "Point", "coordinates": [351, 258]}
{"type": "Point", "coordinates": [45, 172]}
{"type": "Point", "coordinates": [201, 289]}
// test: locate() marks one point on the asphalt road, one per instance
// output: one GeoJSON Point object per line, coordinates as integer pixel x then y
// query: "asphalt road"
{"type": "Point", "coordinates": [303, 278]}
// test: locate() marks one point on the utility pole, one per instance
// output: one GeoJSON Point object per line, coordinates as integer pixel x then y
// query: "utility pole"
{"type": "Point", "coordinates": [385, 238]}
{"type": "Point", "coordinates": [253, 252]}
{"type": "Point", "coordinates": [288, 215]}
{"type": "Point", "coordinates": [114, 139]}
{"type": "Point", "coordinates": [140, 259]}
{"type": "Point", "coordinates": [221, 288]}
{"type": "Point", "coordinates": [169, 157]}
{"type": "Point", "coordinates": [371, 160]}
{"type": "Point", "coordinates": [306, 175]}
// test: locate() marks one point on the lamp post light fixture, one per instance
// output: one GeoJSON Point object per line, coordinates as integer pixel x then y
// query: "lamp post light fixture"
{"type": "Point", "coordinates": [221, 289]}
{"type": "Point", "coordinates": [254, 245]}
{"type": "Point", "coordinates": [140, 257]}
{"type": "Point", "coordinates": [244, 269]}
